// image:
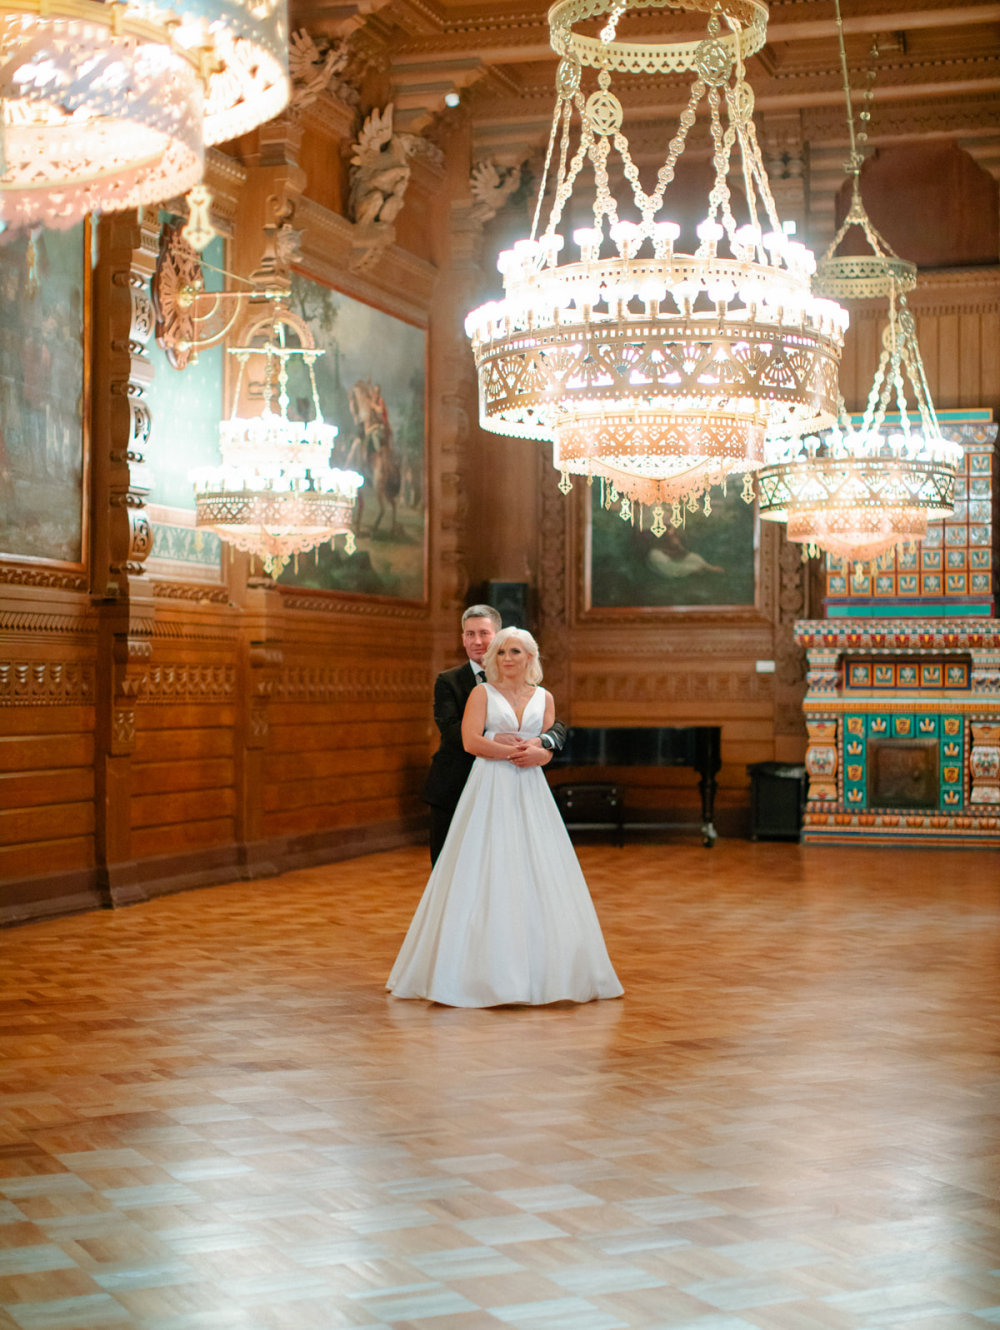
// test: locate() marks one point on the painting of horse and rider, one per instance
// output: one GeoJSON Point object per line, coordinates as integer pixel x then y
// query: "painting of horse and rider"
{"type": "Point", "coordinates": [371, 383]}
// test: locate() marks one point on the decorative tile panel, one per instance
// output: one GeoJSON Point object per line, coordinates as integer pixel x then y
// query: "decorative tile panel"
{"type": "Point", "coordinates": [821, 760]}
{"type": "Point", "coordinates": [984, 763]}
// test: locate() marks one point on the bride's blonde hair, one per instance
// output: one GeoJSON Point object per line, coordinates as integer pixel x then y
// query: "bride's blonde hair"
{"type": "Point", "coordinates": [534, 671]}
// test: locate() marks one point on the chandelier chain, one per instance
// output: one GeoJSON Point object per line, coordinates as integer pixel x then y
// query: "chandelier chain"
{"type": "Point", "coordinates": [566, 180]}
{"type": "Point", "coordinates": [553, 133]}
{"type": "Point", "coordinates": [720, 196]}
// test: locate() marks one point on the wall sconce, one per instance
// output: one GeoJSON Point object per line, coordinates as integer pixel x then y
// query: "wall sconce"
{"type": "Point", "coordinates": [190, 319]}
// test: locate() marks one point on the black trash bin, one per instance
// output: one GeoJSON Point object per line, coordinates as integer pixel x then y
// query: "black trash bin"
{"type": "Point", "coordinates": [777, 800]}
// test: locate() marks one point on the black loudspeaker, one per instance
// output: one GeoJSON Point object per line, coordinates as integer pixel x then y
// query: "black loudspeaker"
{"type": "Point", "coordinates": [777, 800]}
{"type": "Point", "coordinates": [511, 600]}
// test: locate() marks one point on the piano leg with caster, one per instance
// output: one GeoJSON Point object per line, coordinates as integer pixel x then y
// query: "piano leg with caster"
{"type": "Point", "coordinates": [707, 785]}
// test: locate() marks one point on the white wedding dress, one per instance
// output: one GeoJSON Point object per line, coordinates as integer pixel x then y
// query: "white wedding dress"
{"type": "Point", "coordinates": [506, 915]}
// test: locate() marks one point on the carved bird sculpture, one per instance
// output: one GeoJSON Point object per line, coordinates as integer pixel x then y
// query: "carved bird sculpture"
{"type": "Point", "coordinates": [380, 170]}
{"type": "Point", "coordinates": [491, 186]}
{"type": "Point", "coordinates": [310, 69]}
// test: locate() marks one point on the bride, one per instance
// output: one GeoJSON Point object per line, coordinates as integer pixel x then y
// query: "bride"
{"type": "Point", "coordinates": [506, 915]}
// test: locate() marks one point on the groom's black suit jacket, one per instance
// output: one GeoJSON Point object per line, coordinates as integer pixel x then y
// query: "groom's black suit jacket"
{"type": "Point", "coordinates": [451, 764]}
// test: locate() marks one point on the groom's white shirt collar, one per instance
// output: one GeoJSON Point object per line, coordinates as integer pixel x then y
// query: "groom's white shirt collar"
{"type": "Point", "coordinates": [477, 669]}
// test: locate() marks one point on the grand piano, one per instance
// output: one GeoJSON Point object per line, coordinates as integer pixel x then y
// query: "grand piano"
{"type": "Point", "coordinates": [696, 746]}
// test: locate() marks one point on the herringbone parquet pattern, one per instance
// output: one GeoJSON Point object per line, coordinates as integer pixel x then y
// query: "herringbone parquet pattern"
{"type": "Point", "coordinates": [212, 1117]}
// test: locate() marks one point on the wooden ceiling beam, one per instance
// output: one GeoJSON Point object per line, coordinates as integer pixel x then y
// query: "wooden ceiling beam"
{"type": "Point", "coordinates": [522, 113]}
{"type": "Point", "coordinates": [529, 44]}
{"type": "Point", "coordinates": [817, 29]}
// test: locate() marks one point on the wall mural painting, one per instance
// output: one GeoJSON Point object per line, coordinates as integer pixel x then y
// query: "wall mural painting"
{"type": "Point", "coordinates": [707, 561]}
{"type": "Point", "coordinates": [44, 295]}
{"type": "Point", "coordinates": [371, 386]}
{"type": "Point", "coordinates": [186, 406]}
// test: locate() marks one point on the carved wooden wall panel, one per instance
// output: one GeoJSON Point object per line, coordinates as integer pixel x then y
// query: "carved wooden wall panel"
{"type": "Point", "coordinates": [46, 785]}
{"type": "Point", "coordinates": [958, 327]}
{"type": "Point", "coordinates": [48, 692]}
{"type": "Point", "coordinates": [183, 767]}
{"type": "Point", "coordinates": [348, 723]}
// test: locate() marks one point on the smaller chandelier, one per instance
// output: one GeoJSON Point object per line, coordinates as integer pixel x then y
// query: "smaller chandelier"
{"type": "Point", "coordinates": [275, 494]}
{"type": "Point", "coordinates": [859, 490]}
{"type": "Point", "coordinates": [658, 370]}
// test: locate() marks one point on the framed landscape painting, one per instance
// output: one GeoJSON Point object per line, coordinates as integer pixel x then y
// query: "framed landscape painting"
{"type": "Point", "coordinates": [709, 561]}
{"type": "Point", "coordinates": [371, 383]}
{"type": "Point", "coordinates": [44, 386]}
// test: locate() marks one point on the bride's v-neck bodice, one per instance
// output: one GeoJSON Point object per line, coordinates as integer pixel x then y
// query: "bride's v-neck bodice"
{"type": "Point", "coordinates": [502, 718]}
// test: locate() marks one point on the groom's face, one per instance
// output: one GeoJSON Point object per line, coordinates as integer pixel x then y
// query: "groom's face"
{"type": "Point", "coordinates": [477, 634]}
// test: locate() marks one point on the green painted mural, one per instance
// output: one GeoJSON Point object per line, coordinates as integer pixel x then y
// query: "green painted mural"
{"type": "Point", "coordinates": [43, 458]}
{"type": "Point", "coordinates": [186, 407]}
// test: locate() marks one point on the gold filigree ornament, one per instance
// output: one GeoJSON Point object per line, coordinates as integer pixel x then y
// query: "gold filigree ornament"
{"type": "Point", "coordinates": [871, 483]}
{"type": "Point", "coordinates": [658, 367]}
{"type": "Point", "coordinates": [109, 106]}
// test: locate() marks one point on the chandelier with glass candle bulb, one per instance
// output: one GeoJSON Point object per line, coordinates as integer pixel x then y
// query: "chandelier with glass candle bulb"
{"type": "Point", "coordinates": [111, 105]}
{"type": "Point", "coordinates": [859, 490]}
{"type": "Point", "coordinates": [275, 494]}
{"type": "Point", "coordinates": [657, 370]}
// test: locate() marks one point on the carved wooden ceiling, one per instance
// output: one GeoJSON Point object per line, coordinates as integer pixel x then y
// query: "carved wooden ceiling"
{"type": "Point", "coordinates": [938, 74]}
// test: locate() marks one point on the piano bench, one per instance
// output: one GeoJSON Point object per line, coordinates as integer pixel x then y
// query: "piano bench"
{"type": "Point", "coordinates": [592, 806]}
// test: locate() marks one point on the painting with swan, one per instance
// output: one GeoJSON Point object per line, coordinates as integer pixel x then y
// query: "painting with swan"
{"type": "Point", "coordinates": [707, 561]}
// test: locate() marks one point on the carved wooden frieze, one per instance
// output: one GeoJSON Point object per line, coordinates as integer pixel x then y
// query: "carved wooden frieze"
{"type": "Point", "coordinates": [12, 575]}
{"type": "Point", "coordinates": [178, 684]}
{"type": "Point", "coordinates": [326, 683]}
{"type": "Point", "coordinates": [37, 683]}
{"type": "Point", "coordinates": [676, 686]}
{"type": "Point", "coordinates": [188, 683]}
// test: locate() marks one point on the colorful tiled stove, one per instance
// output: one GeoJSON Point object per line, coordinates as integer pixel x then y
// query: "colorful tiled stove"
{"type": "Point", "coordinates": [903, 701]}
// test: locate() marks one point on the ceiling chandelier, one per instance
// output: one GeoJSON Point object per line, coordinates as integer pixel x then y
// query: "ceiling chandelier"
{"type": "Point", "coordinates": [110, 105]}
{"type": "Point", "coordinates": [275, 494]}
{"type": "Point", "coordinates": [657, 370]}
{"type": "Point", "coordinates": [858, 491]}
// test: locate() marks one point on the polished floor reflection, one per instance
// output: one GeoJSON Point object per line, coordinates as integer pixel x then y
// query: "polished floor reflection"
{"type": "Point", "coordinates": [213, 1117]}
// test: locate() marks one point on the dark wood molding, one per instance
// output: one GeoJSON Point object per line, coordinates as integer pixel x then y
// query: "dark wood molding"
{"type": "Point", "coordinates": [128, 883]}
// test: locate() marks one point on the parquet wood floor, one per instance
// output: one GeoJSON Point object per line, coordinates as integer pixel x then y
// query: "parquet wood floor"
{"type": "Point", "coordinates": [212, 1117]}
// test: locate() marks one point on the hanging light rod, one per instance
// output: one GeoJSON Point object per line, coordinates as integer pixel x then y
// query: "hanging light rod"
{"type": "Point", "coordinates": [859, 490]}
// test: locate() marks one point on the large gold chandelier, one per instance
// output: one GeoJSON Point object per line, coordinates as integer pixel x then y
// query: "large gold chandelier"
{"type": "Point", "coordinates": [860, 490]}
{"type": "Point", "coordinates": [275, 494]}
{"type": "Point", "coordinates": [111, 105]}
{"type": "Point", "coordinates": [658, 370]}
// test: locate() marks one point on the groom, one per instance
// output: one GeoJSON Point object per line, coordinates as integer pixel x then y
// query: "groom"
{"type": "Point", "coordinates": [451, 763]}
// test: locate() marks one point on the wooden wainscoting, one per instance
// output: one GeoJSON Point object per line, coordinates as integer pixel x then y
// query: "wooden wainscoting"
{"type": "Point", "coordinates": [277, 732]}
{"type": "Point", "coordinates": [47, 720]}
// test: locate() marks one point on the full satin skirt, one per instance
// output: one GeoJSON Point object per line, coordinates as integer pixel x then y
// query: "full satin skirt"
{"type": "Point", "coordinates": [506, 916]}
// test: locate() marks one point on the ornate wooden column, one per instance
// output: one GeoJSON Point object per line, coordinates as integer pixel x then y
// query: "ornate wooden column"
{"type": "Point", "coordinates": [122, 535]}
{"type": "Point", "coordinates": [453, 405]}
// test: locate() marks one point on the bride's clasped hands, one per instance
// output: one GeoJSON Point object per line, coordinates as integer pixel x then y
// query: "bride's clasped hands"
{"type": "Point", "coordinates": [521, 750]}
